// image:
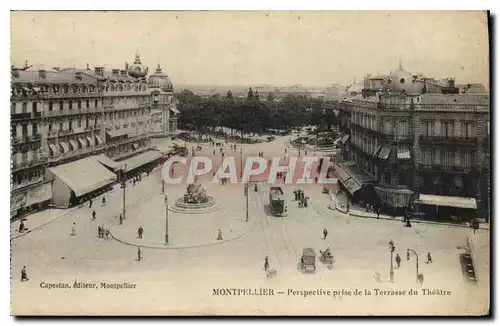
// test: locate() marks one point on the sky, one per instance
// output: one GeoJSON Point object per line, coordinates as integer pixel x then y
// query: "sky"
{"type": "Point", "coordinates": [259, 47]}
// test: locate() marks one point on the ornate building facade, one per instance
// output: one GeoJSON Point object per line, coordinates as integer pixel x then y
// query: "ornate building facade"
{"type": "Point", "coordinates": [406, 147]}
{"type": "Point", "coordinates": [65, 115]}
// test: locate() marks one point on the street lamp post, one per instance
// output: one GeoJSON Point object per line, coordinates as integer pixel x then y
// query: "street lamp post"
{"type": "Point", "coordinates": [241, 160]}
{"type": "Point", "coordinates": [416, 256]}
{"type": "Point", "coordinates": [124, 185]}
{"type": "Point", "coordinates": [392, 248]}
{"type": "Point", "coordinates": [166, 219]}
{"type": "Point", "coordinates": [247, 185]}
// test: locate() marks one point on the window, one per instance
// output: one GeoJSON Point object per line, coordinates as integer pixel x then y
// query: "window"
{"type": "Point", "coordinates": [12, 108]}
{"type": "Point", "coordinates": [427, 128]}
{"type": "Point", "coordinates": [79, 123]}
{"type": "Point", "coordinates": [403, 128]}
{"type": "Point", "coordinates": [70, 105]}
{"type": "Point", "coordinates": [60, 126]}
{"type": "Point", "coordinates": [387, 177]}
{"type": "Point", "coordinates": [446, 129]}
{"type": "Point", "coordinates": [13, 132]}
{"type": "Point", "coordinates": [87, 103]}
{"type": "Point", "coordinates": [447, 158]}
{"type": "Point", "coordinates": [61, 105]}
{"type": "Point", "coordinates": [468, 130]}
{"type": "Point", "coordinates": [426, 156]}
{"type": "Point", "coordinates": [25, 107]}
{"type": "Point", "coordinates": [71, 125]}
{"type": "Point", "coordinates": [50, 127]}
{"type": "Point", "coordinates": [466, 159]}
{"type": "Point", "coordinates": [35, 129]}
{"type": "Point", "coordinates": [387, 126]}
{"type": "Point", "coordinates": [79, 104]}
{"type": "Point", "coordinates": [50, 105]}
{"type": "Point", "coordinates": [95, 103]}
{"type": "Point", "coordinates": [87, 123]}
{"type": "Point", "coordinates": [24, 130]}
{"type": "Point", "coordinates": [24, 156]}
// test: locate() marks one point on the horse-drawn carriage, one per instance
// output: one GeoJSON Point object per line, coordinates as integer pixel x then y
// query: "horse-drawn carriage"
{"type": "Point", "coordinates": [326, 257]}
{"type": "Point", "coordinates": [308, 260]}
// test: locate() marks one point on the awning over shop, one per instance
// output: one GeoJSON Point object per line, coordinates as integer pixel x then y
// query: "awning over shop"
{"type": "Point", "coordinates": [82, 142]}
{"type": "Point", "coordinates": [340, 172]}
{"type": "Point", "coordinates": [83, 176]}
{"type": "Point", "coordinates": [91, 141]}
{"type": "Point", "coordinates": [54, 149]}
{"type": "Point", "coordinates": [385, 152]}
{"type": "Point", "coordinates": [106, 161]}
{"type": "Point", "coordinates": [352, 186]}
{"type": "Point", "coordinates": [118, 133]}
{"type": "Point", "coordinates": [99, 140]}
{"type": "Point", "coordinates": [74, 144]}
{"type": "Point", "coordinates": [403, 153]}
{"type": "Point", "coordinates": [449, 201]}
{"type": "Point", "coordinates": [65, 146]}
{"type": "Point", "coordinates": [175, 110]}
{"type": "Point", "coordinates": [393, 196]}
{"type": "Point", "coordinates": [141, 159]}
{"type": "Point", "coordinates": [377, 149]}
{"type": "Point", "coordinates": [344, 139]}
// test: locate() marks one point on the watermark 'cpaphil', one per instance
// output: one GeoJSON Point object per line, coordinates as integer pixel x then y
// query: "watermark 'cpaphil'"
{"type": "Point", "coordinates": [200, 166]}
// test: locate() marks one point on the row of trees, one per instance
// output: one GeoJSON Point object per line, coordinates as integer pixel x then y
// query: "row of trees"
{"type": "Point", "coordinates": [251, 115]}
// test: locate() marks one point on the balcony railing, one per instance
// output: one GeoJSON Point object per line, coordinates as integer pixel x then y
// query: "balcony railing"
{"type": "Point", "coordinates": [448, 139]}
{"type": "Point", "coordinates": [20, 116]}
{"type": "Point", "coordinates": [26, 164]}
{"type": "Point", "coordinates": [34, 138]}
{"type": "Point", "coordinates": [26, 183]}
{"type": "Point", "coordinates": [55, 113]}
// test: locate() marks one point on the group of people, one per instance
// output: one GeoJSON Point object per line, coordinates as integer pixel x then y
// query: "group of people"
{"type": "Point", "coordinates": [301, 198]}
{"type": "Point", "coordinates": [102, 232]}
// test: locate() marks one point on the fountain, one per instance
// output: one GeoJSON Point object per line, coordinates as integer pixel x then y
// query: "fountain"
{"type": "Point", "coordinates": [195, 201]}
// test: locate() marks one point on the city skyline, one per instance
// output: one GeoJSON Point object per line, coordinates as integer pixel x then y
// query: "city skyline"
{"type": "Point", "coordinates": [277, 48]}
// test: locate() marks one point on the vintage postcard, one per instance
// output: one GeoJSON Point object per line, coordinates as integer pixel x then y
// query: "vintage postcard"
{"type": "Point", "coordinates": [250, 163]}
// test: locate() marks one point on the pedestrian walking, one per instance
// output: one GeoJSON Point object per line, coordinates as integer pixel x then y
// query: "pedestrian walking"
{"type": "Point", "coordinates": [90, 203]}
{"type": "Point", "coordinates": [429, 258]}
{"type": "Point", "coordinates": [98, 231]}
{"type": "Point", "coordinates": [266, 263]}
{"type": "Point", "coordinates": [140, 230]}
{"type": "Point", "coordinates": [103, 201]}
{"type": "Point", "coordinates": [213, 152]}
{"type": "Point", "coordinates": [93, 215]}
{"type": "Point", "coordinates": [407, 255]}
{"type": "Point", "coordinates": [24, 274]}
{"type": "Point", "coordinates": [121, 219]}
{"type": "Point", "coordinates": [139, 257]}
{"type": "Point", "coordinates": [21, 226]}
{"type": "Point", "coordinates": [107, 233]}
{"type": "Point", "coordinates": [398, 260]}
{"type": "Point", "coordinates": [219, 234]}
{"type": "Point", "coordinates": [73, 229]}
{"type": "Point", "coordinates": [325, 233]}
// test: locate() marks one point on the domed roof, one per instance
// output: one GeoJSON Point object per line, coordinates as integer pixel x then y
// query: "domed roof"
{"type": "Point", "coordinates": [137, 69]}
{"type": "Point", "coordinates": [160, 80]}
{"type": "Point", "coordinates": [401, 80]}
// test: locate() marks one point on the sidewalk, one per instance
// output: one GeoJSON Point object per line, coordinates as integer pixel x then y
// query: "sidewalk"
{"type": "Point", "coordinates": [359, 213]}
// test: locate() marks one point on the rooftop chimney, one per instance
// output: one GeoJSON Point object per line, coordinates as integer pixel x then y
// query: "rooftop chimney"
{"type": "Point", "coordinates": [99, 71]}
{"type": "Point", "coordinates": [42, 73]}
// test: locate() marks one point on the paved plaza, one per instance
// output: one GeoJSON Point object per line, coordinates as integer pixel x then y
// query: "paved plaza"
{"type": "Point", "coordinates": [180, 278]}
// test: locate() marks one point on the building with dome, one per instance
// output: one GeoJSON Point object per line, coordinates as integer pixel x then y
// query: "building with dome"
{"type": "Point", "coordinates": [413, 143]}
{"type": "Point", "coordinates": [75, 132]}
{"type": "Point", "coordinates": [163, 104]}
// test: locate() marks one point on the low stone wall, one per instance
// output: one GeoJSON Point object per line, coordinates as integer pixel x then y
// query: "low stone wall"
{"type": "Point", "coordinates": [202, 208]}
{"type": "Point", "coordinates": [181, 204]}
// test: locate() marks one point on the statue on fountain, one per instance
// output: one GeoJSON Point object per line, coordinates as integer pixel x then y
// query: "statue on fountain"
{"type": "Point", "coordinates": [195, 194]}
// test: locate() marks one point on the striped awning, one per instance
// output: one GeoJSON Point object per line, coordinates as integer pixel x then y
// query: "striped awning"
{"type": "Point", "coordinates": [54, 149]}
{"type": "Point", "coordinates": [385, 152]}
{"type": "Point", "coordinates": [449, 201]}
{"type": "Point", "coordinates": [91, 141]}
{"type": "Point", "coordinates": [351, 185]}
{"type": "Point", "coordinates": [82, 142]}
{"type": "Point", "coordinates": [403, 153]}
{"type": "Point", "coordinates": [65, 146]}
{"type": "Point", "coordinates": [74, 144]}
{"type": "Point", "coordinates": [98, 140]}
